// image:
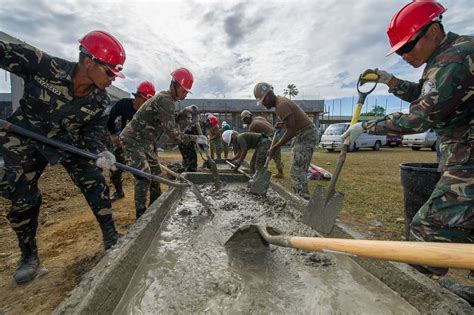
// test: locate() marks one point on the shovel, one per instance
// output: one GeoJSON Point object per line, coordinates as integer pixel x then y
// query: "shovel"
{"type": "Point", "coordinates": [262, 178]}
{"type": "Point", "coordinates": [326, 203]}
{"type": "Point", "coordinates": [239, 170]}
{"type": "Point", "coordinates": [72, 149]}
{"type": "Point", "coordinates": [194, 189]}
{"type": "Point", "coordinates": [433, 254]}
{"type": "Point", "coordinates": [212, 164]}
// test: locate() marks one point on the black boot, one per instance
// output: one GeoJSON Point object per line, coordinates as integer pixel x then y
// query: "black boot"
{"type": "Point", "coordinates": [464, 291]}
{"type": "Point", "coordinates": [140, 212]}
{"type": "Point", "coordinates": [109, 234]}
{"type": "Point", "coordinates": [118, 194]}
{"type": "Point", "coordinates": [29, 261]}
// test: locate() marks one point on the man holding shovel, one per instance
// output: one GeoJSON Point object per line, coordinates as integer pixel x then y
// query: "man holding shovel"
{"type": "Point", "coordinates": [442, 100]}
{"type": "Point", "coordinates": [298, 126]}
{"type": "Point", "coordinates": [139, 138]}
{"type": "Point", "coordinates": [260, 125]}
{"type": "Point", "coordinates": [124, 110]}
{"type": "Point", "coordinates": [64, 101]}
{"type": "Point", "coordinates": [243, 142]}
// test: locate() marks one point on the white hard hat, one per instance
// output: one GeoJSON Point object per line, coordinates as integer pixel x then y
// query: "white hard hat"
{"type": "Point", "coordinates": [227, 136]}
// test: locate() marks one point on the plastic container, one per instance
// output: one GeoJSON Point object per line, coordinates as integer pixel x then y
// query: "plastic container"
{"type": "Point", "coordinates": [419, 181]}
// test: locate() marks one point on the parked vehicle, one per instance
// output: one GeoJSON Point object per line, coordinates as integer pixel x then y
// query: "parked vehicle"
{"type": "Point", "coordinates": [393, 140]}
{"type": "Point", "coordinates": [331, 140]}
{"type": "Point", "coordinates": [421, 140]}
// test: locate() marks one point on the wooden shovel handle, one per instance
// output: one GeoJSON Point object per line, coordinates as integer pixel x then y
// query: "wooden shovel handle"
{"type": "Point", "coordinates": [434, 254]}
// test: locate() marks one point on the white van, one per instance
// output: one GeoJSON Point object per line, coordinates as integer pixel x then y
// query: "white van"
{"type": "Point", "coordinates": [421, 140]}
{"type": "Point", "coordinates": [332, 139]}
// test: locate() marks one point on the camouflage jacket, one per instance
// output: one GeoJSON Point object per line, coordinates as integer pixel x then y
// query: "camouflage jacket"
{"type": "Point", "coordinates": [443, 99]}
{"type": "Point", "coordinates": [155, 117]}
{"type": "Point", "coordinates": [48, 105]}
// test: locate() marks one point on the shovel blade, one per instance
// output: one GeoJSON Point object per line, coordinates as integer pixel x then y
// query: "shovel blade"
{"type": "Point", "coordinates": [215, 174]}
{"type": "Point", "coordinates": [321, 212]}
{"type": "Point", "coordinates": [247, 234]}
{"type": "Point", "coordinates": [261, 182]}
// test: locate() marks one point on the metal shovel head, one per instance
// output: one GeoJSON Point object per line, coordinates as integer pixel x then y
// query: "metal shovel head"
{"type": "Point", "coordinates": [261, 182]}
{"type": "Point", "coordinates": [321, 212]}
{"type": "Point", "coordinates": [250, 234]}
{"type": "Point", "coordinates": [215, 174]}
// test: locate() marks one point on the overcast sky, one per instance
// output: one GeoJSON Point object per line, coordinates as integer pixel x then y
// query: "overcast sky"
{"type": "Point", "coordinates": [320, 46]}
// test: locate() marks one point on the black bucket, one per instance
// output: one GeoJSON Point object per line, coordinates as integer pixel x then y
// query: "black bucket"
{"type": "Point", "coordinates": [419, 181]}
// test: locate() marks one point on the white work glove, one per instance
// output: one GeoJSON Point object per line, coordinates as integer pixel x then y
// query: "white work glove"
{"type": "Point", "coordinates": [106, 160]}
{"type": "Point", "coordinates": [353, 132]}
{"type": "Point", "coordinates": [384, 76]}
{"type": "Point", "coordinates": [202, 140]}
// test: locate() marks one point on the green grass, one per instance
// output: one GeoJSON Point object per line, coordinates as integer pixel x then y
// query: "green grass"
{"type": "Point", "coordinates": [370, 182]}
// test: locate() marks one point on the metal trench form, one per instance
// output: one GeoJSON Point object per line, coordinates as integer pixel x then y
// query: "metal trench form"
{"type": "Point", "coordinates": [102, 288]}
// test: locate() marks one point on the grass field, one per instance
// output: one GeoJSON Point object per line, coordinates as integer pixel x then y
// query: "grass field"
{"type": "Point", "coordinates": [370, 181]}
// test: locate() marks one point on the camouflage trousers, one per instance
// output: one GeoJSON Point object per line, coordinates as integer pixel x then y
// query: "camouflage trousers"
{"type": "Point", "coordinates": [216, 148]}
{"type": "Point", "coordinates": [188, 152]}
{"type": "Point", "coordinates": [23, 167]}
{"type": "Point", "coordinates": [116, 176]}
{"type": "Point", "coordinates": [144, 158]}
{"type": "Point", "coordinates": [276, 158]}
{"type": "Point", "coordinates": [448, 215]}
{"type": "Point", "coordinates": [261, 154]}
{"type": "Point", "coordinates": [225, 146]}
{"type": "Point", "coordinates": [303, 148]}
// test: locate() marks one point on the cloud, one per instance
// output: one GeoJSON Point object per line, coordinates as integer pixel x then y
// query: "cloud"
{"type": "Point", "coordinates": [320, 46]}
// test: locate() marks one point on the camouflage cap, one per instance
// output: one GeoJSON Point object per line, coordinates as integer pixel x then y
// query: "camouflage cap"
{"type": "Point", "coordinates": [244, 114]}
{"type": "Point", "coordinates": [261, 90]}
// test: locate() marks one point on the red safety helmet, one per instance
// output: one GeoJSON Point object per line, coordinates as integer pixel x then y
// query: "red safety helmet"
{"type": "Point", "coordinates": [146, 89]}
{"type": "Point", "coordinates": [183, 77]}
{"type": "Point", "coordinates": [409, 20]}
{"type": "Point", "coordinates": [105, 48]}
{"type": "Point", "coordinates": [213, 120]}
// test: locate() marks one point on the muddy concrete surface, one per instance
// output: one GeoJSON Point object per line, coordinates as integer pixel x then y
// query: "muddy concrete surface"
{"type": "Point", "coordinates": [187, 268]}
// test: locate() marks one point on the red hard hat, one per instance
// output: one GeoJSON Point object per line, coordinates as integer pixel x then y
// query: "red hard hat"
{"type": "Point", "coordinates": [409, 20]}
{"type": "Point", "coordinates": [105, 48]}
{"type": "Point", "coordinates": [213, 119]}
{"type": "Point", "coordinates": [146, 89]}
{"type": "Point", "coordinates": [184, 77]}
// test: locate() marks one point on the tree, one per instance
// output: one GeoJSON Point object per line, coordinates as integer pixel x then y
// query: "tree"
{"type": "Point", "coordinates": [290, 90]}
{"type": "Point", "coordinates": [377, 111]}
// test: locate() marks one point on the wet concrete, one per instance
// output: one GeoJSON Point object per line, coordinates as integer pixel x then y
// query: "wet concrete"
{"type": "Point", "coordinates": [188, 269]}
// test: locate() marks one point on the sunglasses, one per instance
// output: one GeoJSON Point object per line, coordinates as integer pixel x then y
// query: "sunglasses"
{"type": "Point", "coordinates": [405, 49]}
{"type": "Point", "coordinates": [108, 72]}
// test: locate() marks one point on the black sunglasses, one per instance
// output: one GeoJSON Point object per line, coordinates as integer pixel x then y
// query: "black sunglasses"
{"type": "Point", "coordinates": [405, 49]}
{"type": "Point", "coordinates": [108, 72]}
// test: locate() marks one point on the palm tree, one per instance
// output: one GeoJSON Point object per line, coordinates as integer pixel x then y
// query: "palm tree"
{"type": "Point", "coordinates": [290, 90]}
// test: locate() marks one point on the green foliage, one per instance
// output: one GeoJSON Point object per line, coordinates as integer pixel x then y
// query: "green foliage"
{"type": "Point", "coordinates": [377, 111]}
{"type": "Point", "coordinates": [290, 91]}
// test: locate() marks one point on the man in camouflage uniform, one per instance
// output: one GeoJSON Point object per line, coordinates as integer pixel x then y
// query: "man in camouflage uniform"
{"type": "Point", "coordinates": [188, 151]}
{"type": "Point", "coordinates": [298, 126]}
{"type": "Point", "coordinates": [243, 142]}
{"type": "Point", "coordinates": [65, 101]}
{"type": "Point", "coordinates": [123, 112]}
{"type": "Point", "coordinates": [140, 136]}
{"type": "Point", "coordinates": [215, 141]}
{"type": "Point", "coordinates": [443, 100]}
{"type": "Point", "coordinates": [260, 125]}
{"type": "Point", "coordinates": [224, 127]}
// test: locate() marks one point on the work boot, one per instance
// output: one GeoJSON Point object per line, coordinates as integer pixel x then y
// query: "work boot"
{"type": "Point", "coordinates": [279, 175]}
{"type": "Point", "coordinates": [139, 212]}
{"type": "Point", "coordinates": [464, 291]}
{"type": "Point", "coordinates": [437, 271]}
{"type": "Point", "coordinates": [109, 234]}
{"type": "Point", "coordinates": [29, 262]}
{"type": "Point", "coordinates": [118, 194]}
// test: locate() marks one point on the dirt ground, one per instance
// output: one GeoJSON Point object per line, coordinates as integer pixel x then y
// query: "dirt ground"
{"type": "Point", "coordinates": [69, 240]}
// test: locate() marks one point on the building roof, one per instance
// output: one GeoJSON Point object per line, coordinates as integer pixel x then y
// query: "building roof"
{"type": "Point", "coordinates": [238, 105]}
